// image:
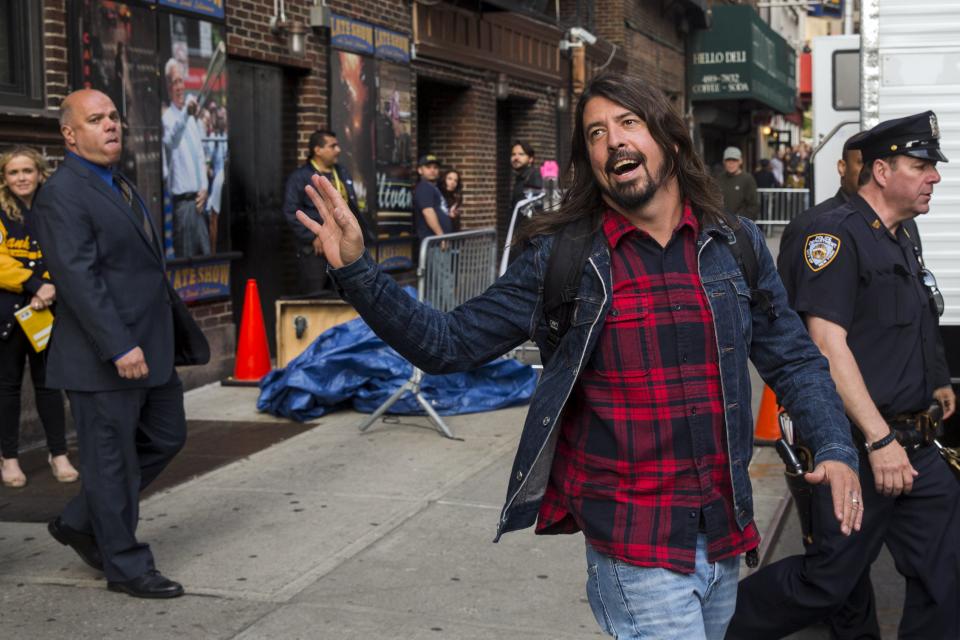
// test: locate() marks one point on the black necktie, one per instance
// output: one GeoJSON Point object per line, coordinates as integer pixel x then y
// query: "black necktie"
{"type": "Point", "coordinates": [128, 198]}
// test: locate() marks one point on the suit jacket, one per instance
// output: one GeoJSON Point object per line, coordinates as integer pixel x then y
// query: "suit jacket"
{"type": "Point", "coordinates": [112, 292]}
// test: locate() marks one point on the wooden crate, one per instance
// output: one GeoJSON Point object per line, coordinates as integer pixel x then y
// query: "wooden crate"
{"type": "Point", "coordinates": [320, 316]}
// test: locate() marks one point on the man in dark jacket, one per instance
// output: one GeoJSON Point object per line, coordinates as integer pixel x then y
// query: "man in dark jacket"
{"type": "Point", "coordinates": [764, 177]}
{"type": "Point", "coordinates": [321, 159]}
{"type": "Point", "coordinates": [526, 173]}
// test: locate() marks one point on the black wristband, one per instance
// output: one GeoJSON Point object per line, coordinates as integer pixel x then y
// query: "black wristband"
{"type": "Point", "coordinates": [879, 444]}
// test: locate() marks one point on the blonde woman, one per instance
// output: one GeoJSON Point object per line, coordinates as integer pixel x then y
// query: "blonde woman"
{"type": "Point", "coordinates": [24, 281]}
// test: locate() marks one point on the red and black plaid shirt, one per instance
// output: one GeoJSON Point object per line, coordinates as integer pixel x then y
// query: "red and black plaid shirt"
{"type": "Point", "coordinates": [641, 464]}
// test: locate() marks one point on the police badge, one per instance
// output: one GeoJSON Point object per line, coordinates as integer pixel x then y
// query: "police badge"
{"type": "Point", "coordinates": [820, 250]}
{"type": "Point", "coordinates": [934, 127]}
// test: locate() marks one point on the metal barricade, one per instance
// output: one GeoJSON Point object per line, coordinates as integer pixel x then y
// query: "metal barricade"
{"type": "Point", "coordinates": [453, 268]}
{"type": "Point", "coordinates": [778, 207]}
{"type": "Point", "coordinates": [523, 208]}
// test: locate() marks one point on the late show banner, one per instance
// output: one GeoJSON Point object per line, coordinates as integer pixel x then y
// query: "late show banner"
{"type": "Point", "coordinates": [193, 112]}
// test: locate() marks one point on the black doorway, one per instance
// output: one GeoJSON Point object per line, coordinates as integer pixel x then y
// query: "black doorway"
{"type": "Point", "coordinates": [262, 153]}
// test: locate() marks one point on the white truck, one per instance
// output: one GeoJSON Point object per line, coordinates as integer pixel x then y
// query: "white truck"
{"type": "Point", "coordinates": [906, 60]}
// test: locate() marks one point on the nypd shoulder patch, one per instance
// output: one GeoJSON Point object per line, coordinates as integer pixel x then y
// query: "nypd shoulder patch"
{"type": "Point", "coordinates": [820, 250]}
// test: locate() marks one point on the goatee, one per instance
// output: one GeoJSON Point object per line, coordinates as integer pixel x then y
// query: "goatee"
{"type": "Point", "coordinates": [632, 195]}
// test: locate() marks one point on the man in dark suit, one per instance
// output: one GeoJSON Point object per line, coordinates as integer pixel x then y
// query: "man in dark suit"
{"type": "Point", "coordinates": [112, 347]}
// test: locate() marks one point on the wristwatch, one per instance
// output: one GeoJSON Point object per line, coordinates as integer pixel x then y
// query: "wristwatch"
{"type": "Point", "coordinates": [879, 444]}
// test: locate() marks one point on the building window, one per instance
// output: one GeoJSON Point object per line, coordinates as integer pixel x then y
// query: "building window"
{"type": "Point", "coordinates": [21, 64]}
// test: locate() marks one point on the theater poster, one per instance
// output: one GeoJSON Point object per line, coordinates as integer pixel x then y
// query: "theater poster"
{"type": "Point", "coordinates": [394, 159]}
{"type": "Point", "coordinates": [353, 96]}
{"type": "Point", "coordinates": [118, 48]}
{"type": "Point", "coordinates": [193, 115]}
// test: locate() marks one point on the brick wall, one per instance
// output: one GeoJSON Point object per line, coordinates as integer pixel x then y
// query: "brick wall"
{"type": "Point", "coordinates": [608, 20]}
{"type": "Point", "coordinates": [459, 111]}
{"type": "Point", "coordinates": [55, 51]}
{"type": "Point", "coordinates": [655, 47]}
{"type": "Point", "coordinates": [459, 105]}
{"type": "Point", "coordinates": [249, 37]}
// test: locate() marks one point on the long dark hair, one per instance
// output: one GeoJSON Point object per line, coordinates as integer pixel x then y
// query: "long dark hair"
{"type": "Point", "coordinates": [455, 196]}
{"type": "Point", "coordinates": [583, 196]}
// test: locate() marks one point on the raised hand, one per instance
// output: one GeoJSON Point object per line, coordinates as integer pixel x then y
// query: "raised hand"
{"type": "Point", "coordinates": [340, 234]}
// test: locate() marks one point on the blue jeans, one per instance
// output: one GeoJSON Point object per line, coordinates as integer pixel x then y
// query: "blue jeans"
{"type": "Point", "coordinates": [631, 602]}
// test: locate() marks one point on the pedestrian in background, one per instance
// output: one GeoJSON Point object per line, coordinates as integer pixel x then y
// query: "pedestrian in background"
{"type": "Point", "coordinates": [635, 436]}
{"type": "Point", "coordinates": [451, 186]}
{"type": "Point", "coordinates": [764, 176]}
{"type": "Point", "coordinates": [323, 152]}
{"type": "Point", "coordinates": [776, 167]}
{"type": "Point", "coordinates": [431, 217]}
{"type": "Point", "coordinates": [112, 347]}
{"type": "Point", "coordinates": [738, 188]}
{"type": "Point", "coordinates": [526, 174]}
{"type": "Point", "coordinates": [24, 281]}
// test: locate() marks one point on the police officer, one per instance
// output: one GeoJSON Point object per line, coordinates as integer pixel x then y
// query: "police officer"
{"type": "Point", "coordinates": [848, 166]}
{"type": "Point", "coordinates": [872, 307]}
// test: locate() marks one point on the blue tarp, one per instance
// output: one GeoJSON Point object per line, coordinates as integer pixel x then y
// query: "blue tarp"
{"type": "Point", "coordinates": [349, 366]}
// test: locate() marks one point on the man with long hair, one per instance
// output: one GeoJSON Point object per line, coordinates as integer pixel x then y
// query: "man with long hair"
{"type": "Point", "coordinates": [526, 174]}
{"type": "Point", "coordinates": [639, 434]}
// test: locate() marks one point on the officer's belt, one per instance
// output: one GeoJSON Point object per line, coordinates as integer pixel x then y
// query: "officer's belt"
{"type": "Point", "coordinates": [915, 430]}
{"type": "Point", "coordinates": [180, 197]}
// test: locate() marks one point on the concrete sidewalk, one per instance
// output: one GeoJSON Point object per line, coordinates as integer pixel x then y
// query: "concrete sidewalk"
{"type": "Point", "coordinates": [330, 534]}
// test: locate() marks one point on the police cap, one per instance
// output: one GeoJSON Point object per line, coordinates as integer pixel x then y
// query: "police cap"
{"type": "Point", "coordinates": [917, 136]}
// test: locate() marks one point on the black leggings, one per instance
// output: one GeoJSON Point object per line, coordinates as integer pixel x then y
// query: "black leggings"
{"type": "Point", "coordinates": [13, 354]}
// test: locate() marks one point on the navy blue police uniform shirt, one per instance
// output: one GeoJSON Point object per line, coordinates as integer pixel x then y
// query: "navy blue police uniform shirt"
{"type": "Point", "coordinates": [789, 260]}
{"type": "Point", "coordinates": [426, 194]}
{"type": "Point", "coordinates": [858, 275]}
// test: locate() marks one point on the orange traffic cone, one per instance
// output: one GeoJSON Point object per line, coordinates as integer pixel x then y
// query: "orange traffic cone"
{"type": "Point", "coordinates": [767, 430]}
{"type": "Point", "coordinates": [253, 354]}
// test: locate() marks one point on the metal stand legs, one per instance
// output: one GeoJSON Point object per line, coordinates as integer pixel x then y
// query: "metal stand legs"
{"type": "Point", "coordinates": [413, 386]}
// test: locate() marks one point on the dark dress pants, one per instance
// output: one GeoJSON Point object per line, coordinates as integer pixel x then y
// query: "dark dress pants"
{"type": "Point", "coordinates": [14, 353]}
{"type": "Point", "coordinates": [921, 530]}
{"type": "Point", "coordinates": [311, 273]}
{"type": "Point", "coordinates": [126, 438]}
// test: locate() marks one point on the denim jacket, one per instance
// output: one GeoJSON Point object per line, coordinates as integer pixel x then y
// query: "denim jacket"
{"type": "Point", "coordinates": [510, 312]}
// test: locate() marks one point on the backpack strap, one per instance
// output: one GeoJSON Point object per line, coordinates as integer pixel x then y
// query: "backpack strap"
{"type": "Point", "coordinates": [746, 257]}
{"type": "Point", "coordinates": [570, 252]}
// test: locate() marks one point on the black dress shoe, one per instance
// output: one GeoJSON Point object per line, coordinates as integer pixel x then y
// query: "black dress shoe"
{"type": "Point", "coordinates": [152, 584]}
{"type": "Point", "coordinates": [84, 544]}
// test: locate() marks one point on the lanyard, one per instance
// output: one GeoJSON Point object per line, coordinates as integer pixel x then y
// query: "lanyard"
{"type": "Point", "coordinates": [336, 179]}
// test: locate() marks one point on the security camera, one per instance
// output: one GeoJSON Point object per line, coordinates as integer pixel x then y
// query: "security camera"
{"type": "Point", "coordinates": [579, 33]}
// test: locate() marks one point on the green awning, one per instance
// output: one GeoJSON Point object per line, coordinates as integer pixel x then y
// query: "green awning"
{"type": "Point", "coordinates": [741, 58]}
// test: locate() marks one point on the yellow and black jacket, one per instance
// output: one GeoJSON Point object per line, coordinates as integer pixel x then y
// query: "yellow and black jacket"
{"type": "Point", "coordinates": [22, 271]}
